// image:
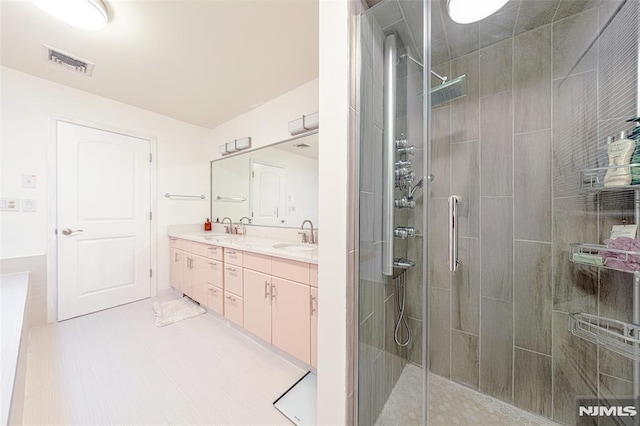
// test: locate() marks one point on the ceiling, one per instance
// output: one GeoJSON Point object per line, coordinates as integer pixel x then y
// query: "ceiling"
{"type": "Point", "coordinates": [201, 62]}
{"type": "Point", "coordinates": [450, 40]}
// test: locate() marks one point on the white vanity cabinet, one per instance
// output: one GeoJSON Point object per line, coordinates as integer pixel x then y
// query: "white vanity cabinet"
{"type": "Point", "coordinates": [199, 276]}
{"type": "Point", "coordinates": [275, 299]}
{"type": "Point", "coordinates": [277, 303]}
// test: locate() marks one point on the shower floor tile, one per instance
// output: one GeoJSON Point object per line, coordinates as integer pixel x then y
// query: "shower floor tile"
{"type": "Point", "coordinates": [449, 404]}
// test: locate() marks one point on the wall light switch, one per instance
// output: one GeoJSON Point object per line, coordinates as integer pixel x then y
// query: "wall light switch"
{"type": "Point", "coordinates": [29, 205]}
{"type": "Point", "coordinates": [9, 205]}
{"type": "Point", "coordinates": [29, 181]}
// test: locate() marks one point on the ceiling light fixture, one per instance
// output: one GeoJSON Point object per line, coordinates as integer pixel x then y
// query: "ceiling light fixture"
{"type": "Point", "coordinates": [85, 14]}
{"type": "Point", "coordinates": [469, 11]}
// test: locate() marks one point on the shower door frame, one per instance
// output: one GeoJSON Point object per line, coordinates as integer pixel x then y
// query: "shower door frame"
{"type": "Point", "coordinates": [426, 122]}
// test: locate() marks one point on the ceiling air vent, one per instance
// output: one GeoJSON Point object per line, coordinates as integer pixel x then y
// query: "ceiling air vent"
{"type": "Point", "coordinates": [67, 60]}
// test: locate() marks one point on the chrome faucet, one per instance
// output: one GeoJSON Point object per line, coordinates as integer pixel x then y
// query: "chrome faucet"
{"type": "Point", "coordinates": [244, 217]}
{"type": "Point", "coordinates": [312, 239]}
{"type": "Point", "coordinates": [228, 230]}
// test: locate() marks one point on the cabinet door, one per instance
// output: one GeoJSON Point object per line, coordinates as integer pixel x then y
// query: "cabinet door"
{"type": "Point", "coordinates": [314, 326]}
{"type": "Point", "coordinates": [175, 268]}
{"type": "Point", "coordinates": [201, 277]}
{"type": "Point", "coordinates": [185, 273]}
{"type": "Point", "coordinates": [257, 304]}
{"type": "Point", "coordinates": [291, 318]}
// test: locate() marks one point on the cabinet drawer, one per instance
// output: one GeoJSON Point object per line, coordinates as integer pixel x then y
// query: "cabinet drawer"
{"type": "Point", "coordinates": [290, 270]}
{"type": "Point", "coordinates": [233, 307]}
{"type": "Point", "coordinates": [175, 243]}
{"type": "Point", "coordinates": [233, 279]}
{"type": "Point", "coordinates": [216, 273]}
{"type": "Point", "coordinates": [313, 274]}
{"type": "Point", "coordinates": [257, 262]}
{"type": "Point", "coordinates": [180, 244]}
{"type": "Point", "coordinates": [233, 256]}
{"type": "Point", "coordinates": [215, 299]}
{"type": "Point", "coordinates": [207, 250]}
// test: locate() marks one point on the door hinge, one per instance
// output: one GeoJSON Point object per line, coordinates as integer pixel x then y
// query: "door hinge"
{"type": "Point", "coordinates": [150, 273]}
{"type": "Point", "coordinates": [55, 232]}
{"type": "Point", "coordinates": [150, 215]}
{"type": "Point", "coordinates": [150, 157]}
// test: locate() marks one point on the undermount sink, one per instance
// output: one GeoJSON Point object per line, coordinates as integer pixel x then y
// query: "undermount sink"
{"type": "Point", "coordinates": [295, 247]}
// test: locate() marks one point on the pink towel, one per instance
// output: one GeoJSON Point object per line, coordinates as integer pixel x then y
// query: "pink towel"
{"type": "Point", "coordinates": [623, 261]}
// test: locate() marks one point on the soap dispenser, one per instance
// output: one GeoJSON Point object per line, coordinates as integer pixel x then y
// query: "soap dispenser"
{"type": "Point", "coordinates": [207, 225]}
{"type": "Point", "coordinates": [620, 153]}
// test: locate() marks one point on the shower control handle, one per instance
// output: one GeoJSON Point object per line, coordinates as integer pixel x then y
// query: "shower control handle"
{"type": "Point", "coordinates": [403, 171]}
{"type": "Point", "coordinates": [410, 150]}
{"type": "Point", "coordinates": [405, 203]}
{"type": "Point", "coordinates": [401, 143]}
{"type": "Point", "coordinates": [404, 232]}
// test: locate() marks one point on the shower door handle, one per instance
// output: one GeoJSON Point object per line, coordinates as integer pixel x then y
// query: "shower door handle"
{"type": "Point", "coordinates": [454, 200]}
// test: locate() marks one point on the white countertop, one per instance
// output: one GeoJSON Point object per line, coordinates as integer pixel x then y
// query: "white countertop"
{"type": "Point", "coordinates": [296, 251]}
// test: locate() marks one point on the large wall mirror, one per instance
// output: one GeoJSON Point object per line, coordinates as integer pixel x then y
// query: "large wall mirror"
{"type": "Point", "coordinates": [273, 186]}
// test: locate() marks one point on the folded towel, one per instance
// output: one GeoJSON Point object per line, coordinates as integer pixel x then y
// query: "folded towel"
{"type": "Point", "coordinates": [623, 261]}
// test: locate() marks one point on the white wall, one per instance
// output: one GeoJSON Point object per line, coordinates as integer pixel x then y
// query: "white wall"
{"type": "Point", "coordinates": [333, 189]}
{"type": "Point", "coordinates": [268, 123]}
{"type": "Point", "coordinates": [28, 104]}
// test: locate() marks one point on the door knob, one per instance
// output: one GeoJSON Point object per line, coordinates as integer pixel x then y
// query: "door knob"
{"type": "Point", "coordinates": [68, 231]}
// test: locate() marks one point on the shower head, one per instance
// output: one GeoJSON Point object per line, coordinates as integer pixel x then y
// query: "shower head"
{"type": "Point", "coordinates": [449, 90]}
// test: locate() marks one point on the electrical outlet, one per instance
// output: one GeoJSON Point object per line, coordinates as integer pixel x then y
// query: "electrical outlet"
{"type": "Point", "coordinates": [9, 205]}
{"type": "Point", "coordinates": [29, 181]}
{"type": "Point", "coordinates": [29, 206]}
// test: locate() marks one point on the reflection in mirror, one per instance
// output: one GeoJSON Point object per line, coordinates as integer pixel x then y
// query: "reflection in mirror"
{"type": "Point", "coordinates": [273, 186]}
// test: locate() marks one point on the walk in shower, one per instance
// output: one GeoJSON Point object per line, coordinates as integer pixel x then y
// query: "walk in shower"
{"type": "Point", "coordinates": [492, 170]}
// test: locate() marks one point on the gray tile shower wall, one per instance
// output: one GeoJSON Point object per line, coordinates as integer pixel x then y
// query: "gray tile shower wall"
{"type": "Point", "coordinates": [513, 148]}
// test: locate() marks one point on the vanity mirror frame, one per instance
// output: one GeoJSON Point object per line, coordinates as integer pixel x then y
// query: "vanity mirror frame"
{"type": "Point", "coordinates": [212, 197]}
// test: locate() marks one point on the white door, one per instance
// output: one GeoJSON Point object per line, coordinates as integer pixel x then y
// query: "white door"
{"type": "Point", "coordinates": [267, 194]}
{"type": "Point", "coordinates": [103, 219]}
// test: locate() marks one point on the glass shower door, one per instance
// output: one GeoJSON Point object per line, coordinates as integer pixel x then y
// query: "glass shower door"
{"type": "Point", "coordinates": [391, 309]}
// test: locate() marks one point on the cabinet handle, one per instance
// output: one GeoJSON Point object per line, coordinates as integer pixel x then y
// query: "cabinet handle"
{"type": "Point", "coordinates": [273, 291]}
{"type": "Point", "coordinates": [311, 299]}
{"type": "Point", "coordinates": [231, 269]}
{"type": "Point", "coordinates": [231, 252]}
{"type": "Point", "coordinates": [212, 248]}
{"type": "Point", "coordinates": [212, 289]}
{"type": "Point", "coordinates": [188, 263]}
{"type": "Point", "coordinates": [176, 258]}
{"type": "Point", "coordinates": [266, 289]}
{"type": "Point", "coordinates": [233, 299]}
{"type": "Point", "coordinates": [172, 238]}
{"type": "Point", "coordinates": [212, 264]}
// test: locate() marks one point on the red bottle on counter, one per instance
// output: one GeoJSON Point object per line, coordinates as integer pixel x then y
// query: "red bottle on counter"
{"type": "Point", "coordinates": [207, 225]}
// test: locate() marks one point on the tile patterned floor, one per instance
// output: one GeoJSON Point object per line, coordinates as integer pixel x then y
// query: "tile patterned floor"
{"type": "Point", "coordinates": [449, 404]}
{"type": "Point", "coordinates": [117, 367]}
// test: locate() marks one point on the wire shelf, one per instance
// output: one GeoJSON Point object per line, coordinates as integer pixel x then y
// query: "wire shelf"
{"type": "Point", "coordinates": [592, 180]}
{"type": "Point", "coordinates": [618, 336]}
{"type": "Point", "coordinates": [592, 255]}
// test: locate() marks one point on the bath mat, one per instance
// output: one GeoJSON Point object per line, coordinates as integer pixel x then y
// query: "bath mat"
{"type": "Point", "coordinates": [176, 310]}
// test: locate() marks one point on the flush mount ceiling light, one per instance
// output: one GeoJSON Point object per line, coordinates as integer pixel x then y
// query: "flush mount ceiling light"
{"type": "Point", "coordinates": [85, 14]}
{"type": "Point", "coordinates": [469, 11]}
